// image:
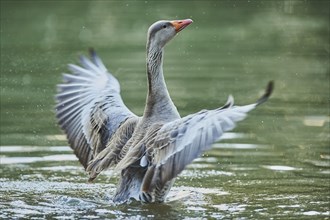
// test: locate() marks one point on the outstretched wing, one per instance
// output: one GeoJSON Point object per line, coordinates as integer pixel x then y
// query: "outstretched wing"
{"type": "Point", "coordinates": [176, 144]}
{"type": "Point", "coordinates": [89, 107]}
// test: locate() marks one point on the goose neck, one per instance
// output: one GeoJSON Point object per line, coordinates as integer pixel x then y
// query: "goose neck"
{"type": "Point", "coordinates": [158, 99]}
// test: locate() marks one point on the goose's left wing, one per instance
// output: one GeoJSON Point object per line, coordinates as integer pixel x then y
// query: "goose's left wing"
{"type": "Point", "coordinates": [176, 144]}
{"type": "Point", "coordinates": [90, 108]}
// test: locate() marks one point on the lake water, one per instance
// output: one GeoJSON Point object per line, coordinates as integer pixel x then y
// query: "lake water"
{"type": "Point", "coordinates": [274, 165]}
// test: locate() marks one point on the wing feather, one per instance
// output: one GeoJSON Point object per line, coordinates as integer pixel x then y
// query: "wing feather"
{"type": "Point", "coordinates": [89, 107]}
{"type": "Point", "coordinates": [111, 155]}
{"type": "Point", "coordinates": [87, 64]}
{"type": "Point", "coordinates": [81, 71]}
{"type": "Point", "coordinates": [178, 143]}
{"type": "Point", "coordinates": [75, 78]}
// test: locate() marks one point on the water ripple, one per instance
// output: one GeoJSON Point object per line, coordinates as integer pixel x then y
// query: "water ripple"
{"type": "Point", "coordinates": [57, 157]}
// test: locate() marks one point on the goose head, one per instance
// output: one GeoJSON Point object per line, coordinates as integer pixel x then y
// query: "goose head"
{"type": "Point", "coordinates": [161, 32]}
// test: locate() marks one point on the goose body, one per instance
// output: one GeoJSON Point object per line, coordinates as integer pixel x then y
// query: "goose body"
{"type": "Point", "coordinates": [148, 151]}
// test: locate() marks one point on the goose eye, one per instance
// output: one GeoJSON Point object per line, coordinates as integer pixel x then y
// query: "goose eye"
{"type": "Point", "coordinates": [164, 26]}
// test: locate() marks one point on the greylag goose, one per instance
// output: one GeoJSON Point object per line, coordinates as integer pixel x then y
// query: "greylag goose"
{"type": "Point", "coordinates": [148, 151]}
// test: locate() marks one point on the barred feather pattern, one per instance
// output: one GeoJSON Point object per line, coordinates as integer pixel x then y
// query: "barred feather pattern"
{"type": "Point", "coordinates": [170, 147]}
{"type": "Point", "coordinates": [89, 107]}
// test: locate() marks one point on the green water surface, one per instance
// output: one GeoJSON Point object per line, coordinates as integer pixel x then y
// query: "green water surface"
{"type": "Point", "coordinates": [275, 164]}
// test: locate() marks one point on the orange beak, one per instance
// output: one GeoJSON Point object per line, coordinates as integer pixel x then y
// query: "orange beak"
{"type": "Point", "coordinates": [181, 24]}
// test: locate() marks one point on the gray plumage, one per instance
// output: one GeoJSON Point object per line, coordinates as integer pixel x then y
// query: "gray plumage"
{"type": "Point", "coordinates": [148, 151]}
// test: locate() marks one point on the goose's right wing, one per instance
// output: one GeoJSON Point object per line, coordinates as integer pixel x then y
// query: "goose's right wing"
{"type": "Point", "coordinates": [89, 107]}
{"type": "Point", "coordinates": [172, 146]}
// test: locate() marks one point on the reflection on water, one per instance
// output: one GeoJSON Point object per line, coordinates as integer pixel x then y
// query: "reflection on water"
{"type": "Point", "coordinates": [212, 186]}
{"type": "Point", "coordinates": [317, 121]}
{"type": "Point", "coordinates": [276, 164]}
{"type": "Point", "coordinates": [281, 168]}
